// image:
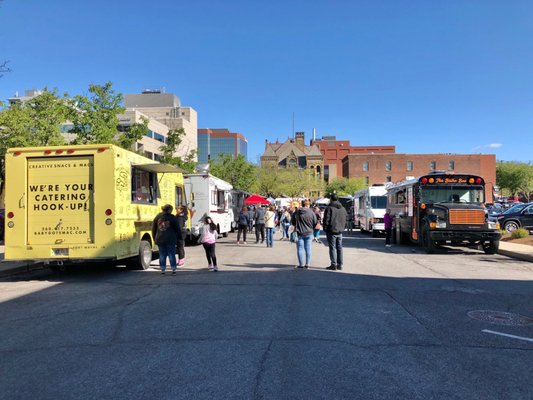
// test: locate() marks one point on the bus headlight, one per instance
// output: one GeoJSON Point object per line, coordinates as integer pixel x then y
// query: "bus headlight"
{"type": "Point", "coordinates": [438, 224]}
{"type": "Point", "coordinates": [494, 225]}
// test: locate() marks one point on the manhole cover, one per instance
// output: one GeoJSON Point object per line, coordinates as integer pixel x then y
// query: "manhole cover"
{"type": "Point", "coordinates": [500, 318]}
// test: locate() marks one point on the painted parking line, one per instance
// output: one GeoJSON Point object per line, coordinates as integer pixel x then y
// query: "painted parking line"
{"type": "Point", "coordinates": [507, 335]}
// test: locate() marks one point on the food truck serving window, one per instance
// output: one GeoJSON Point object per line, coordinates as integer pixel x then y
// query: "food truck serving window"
{"type": "Point", "coordinates": [143, 186]}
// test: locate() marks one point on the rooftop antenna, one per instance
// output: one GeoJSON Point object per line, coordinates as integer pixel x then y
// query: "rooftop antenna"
{"type": "Point", "coordinates": [314, 134]}
{"type": "Point", "coordinates": [293, 124]}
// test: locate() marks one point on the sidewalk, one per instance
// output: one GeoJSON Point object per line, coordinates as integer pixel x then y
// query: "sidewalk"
{"type": "Point", "coordinates": [518, 251]}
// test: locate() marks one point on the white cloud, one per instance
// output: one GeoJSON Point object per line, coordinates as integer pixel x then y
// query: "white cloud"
{"type": "Point", "coordinates": [488, 146]}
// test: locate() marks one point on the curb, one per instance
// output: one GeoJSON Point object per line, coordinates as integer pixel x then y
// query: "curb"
{"type": "Point", "coordinates": [517, 255]}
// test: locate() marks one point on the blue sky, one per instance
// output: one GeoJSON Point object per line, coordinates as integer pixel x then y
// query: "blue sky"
{"type": "Point", "coordinates": [449, 76]}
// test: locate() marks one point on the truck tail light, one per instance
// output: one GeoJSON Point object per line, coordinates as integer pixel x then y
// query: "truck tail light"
{"type": "Point", "coordinates": [10, 214]}
{"type": "Point", "coordinates": [108, 212]}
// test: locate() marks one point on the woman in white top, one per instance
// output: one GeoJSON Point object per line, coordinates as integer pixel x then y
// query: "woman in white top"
{"type": "Point", "coordinates": [270, 224]}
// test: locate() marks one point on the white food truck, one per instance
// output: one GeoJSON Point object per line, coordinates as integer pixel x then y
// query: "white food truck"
{"type": "Point", "coordinates": [369, 207]}
{"type": "Point", "coordinates": [208, 195]}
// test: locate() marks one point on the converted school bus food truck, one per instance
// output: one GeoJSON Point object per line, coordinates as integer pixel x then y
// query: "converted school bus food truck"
{"type": "Point", "coordinates": [85, 203]}
{"type": "Point", "coordinates": [442, 208]}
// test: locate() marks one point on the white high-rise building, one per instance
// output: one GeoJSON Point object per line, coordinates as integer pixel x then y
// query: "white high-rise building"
{"type": "Point", "coordinates": [166, 108]}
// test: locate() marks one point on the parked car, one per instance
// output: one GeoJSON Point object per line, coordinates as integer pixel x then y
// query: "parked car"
{"type": "Point", "coordinates": [518, 216]}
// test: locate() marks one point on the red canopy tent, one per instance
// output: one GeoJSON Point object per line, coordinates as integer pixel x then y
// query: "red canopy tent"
{"type": "Point", "coordinates": [256, 199]}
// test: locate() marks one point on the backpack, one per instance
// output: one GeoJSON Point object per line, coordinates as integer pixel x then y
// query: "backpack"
{"type": "Point", "coordinates": [162, 224]}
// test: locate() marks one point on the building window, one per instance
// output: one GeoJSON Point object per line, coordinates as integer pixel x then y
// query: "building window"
{"type": "Point", "coordinates": [365, 166]}
{"type": "Point", "coordinates": [451, 165]}
{"type": "Point", "coordinates": [409, 165]}
{"type": "Point", "coordinates": [389, 179]}
{"type": "Point", "coordinates": [388, 166]}
{"type": "Point", "coordinates": [432, 165]}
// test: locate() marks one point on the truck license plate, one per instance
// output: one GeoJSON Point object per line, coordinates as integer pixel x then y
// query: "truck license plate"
{"type": "Point", "coordinates": [60, 252]}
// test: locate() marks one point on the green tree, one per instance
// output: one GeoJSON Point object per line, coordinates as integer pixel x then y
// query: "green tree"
{"type": "Point", "coordinates": [345, 186]}
{"type": "Point", "coordinates": [95, 117]}
{"type": "Point", "coordinates": [514, 176]}
{"type": "Point", "coordinates": [35, 122]}
{"type": "Point", "coordinates": [235, 170]}
{"type": "Point", "coordinates": [174, 140]}
{"type": "Point", "coordinates": [291, 182]}
{"type": "Point", "coordinates": [267, 182]}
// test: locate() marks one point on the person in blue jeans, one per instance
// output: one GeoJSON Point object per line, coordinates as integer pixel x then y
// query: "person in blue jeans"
{"type": "Point", "coordinates": [334, 223]}
{"type": "Point", "coordinates": [270, 224]}
{"type": "Point", "coordinates": [166, 233]}
{"type": "Point", "coordinates": [304, 221]}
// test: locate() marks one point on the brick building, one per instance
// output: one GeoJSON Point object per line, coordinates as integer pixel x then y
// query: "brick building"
{"type": "Point", "coordinates": [380, 168]}
{"type": "Point", "coordinates": [334, 151]}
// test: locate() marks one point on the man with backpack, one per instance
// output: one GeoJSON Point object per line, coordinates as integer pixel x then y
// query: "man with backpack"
{"type": "Point", "coordinates": [166, 232]}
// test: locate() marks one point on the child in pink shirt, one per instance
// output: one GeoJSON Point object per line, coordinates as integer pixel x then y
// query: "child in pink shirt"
{"type": "Point", "coordinates": [208, 239]}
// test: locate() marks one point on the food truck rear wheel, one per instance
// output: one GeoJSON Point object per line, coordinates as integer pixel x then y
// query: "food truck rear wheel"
{"type": "Point", "coordinates": [144, 258]}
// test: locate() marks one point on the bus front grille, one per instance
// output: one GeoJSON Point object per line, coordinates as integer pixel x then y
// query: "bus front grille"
{"type": "Point", "coordinates": [467, 217]}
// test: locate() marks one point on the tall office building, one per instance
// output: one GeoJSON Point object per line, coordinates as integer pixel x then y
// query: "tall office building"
{"type": "Point", "coordinates": [214, 142]}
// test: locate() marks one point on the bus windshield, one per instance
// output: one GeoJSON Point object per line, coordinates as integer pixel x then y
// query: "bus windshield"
{"type": "Point", "coordinates": [378, 201]}
{"type": "Point", "coordinates": [455, 194]}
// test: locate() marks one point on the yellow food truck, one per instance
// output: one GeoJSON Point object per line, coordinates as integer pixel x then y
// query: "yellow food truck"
{"type": "Point", "coordinates": [80, 203]}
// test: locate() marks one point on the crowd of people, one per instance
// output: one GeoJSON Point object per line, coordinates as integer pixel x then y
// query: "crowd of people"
{"type": "Point", "coordinates": [301, 225]}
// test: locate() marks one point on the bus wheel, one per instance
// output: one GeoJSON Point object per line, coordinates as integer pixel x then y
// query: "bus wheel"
{"type": "Point", "coordinates": [144, 258]}
{"type": "Point", "coordinates": [491, 247]}
{"type": "Point", "coordinates": [429, 245]}
{"type": "Point", "coordinates": [374, 233]}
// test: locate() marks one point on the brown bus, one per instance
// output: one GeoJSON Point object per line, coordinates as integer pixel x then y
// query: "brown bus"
{"type": "Point", "coordinates": [442, 208]}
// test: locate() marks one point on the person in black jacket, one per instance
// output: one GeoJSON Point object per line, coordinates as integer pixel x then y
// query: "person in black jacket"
{"type": "Point", "coordinates": [244, 221]}
{"type": "Point", "coordinates": [166, 232]}
{"type": "Point", "coordinates": [334, 223]}
{"type": "Point", "coordinates": [181, 215]}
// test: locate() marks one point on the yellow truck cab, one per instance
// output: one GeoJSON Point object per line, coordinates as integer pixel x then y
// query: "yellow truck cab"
{"type": "Point", "coordinates": [67, 204]}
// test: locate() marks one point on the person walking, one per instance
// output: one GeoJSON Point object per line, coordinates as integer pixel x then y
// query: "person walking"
{"type": "Point", "coordinates": [285, 223]}
{"type": "Point", "coordinates": [181, 216]}
{"type": "Point", "coordinates": [208, 239]}
{"type": "Point", "coordinates": [251, 214]}
{"type": "Point", "coordinates": [318, 226]}
{"type": "Point", "coordinates": [166, 232]}
{"type": "Point", "coordinates": [334, 223]}
{"type": "Point", "coordinates": [270, 224]}
{"type": "Point", "coordinates": [304, 221]}
{"type": "Point", "coordinates": [243, 222]}
{"type": "Point", "coordinates": [259, 217]}
{"type": "Point", "coordinates": [387, 220]}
